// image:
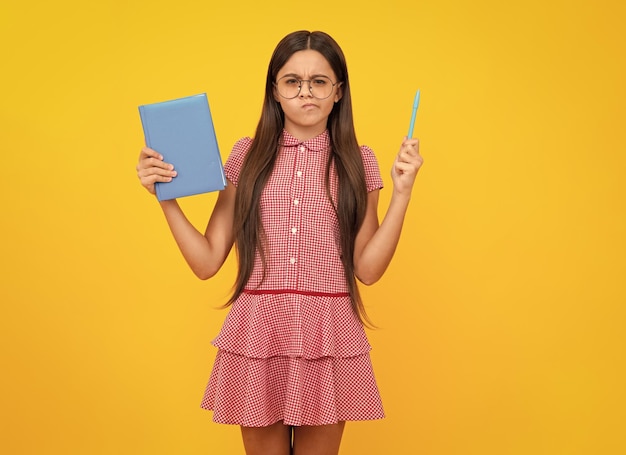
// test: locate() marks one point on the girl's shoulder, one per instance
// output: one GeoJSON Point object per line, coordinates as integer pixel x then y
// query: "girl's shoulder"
{"type": "Point", "coordinates": [240, 149]}
{"type": "Point", "coordinates": [236, 158]}
{"type": "Point", "coordinates": [366, 151]}
{"type": "Point", "coordinates": [242, 145]}
{"type": "Point", "coordinates": [373, 179]}
{"type": "Point", "coordinates": [368, 155]}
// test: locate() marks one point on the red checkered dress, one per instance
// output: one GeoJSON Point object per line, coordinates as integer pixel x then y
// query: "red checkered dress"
{"type": "Point", "coordinates": [291, 347]}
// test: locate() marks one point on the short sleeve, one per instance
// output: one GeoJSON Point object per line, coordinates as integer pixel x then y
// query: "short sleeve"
{"type": "Point", "coordinates": [233, 164]}
{"type": "Point", "coordinates": [373, 180]}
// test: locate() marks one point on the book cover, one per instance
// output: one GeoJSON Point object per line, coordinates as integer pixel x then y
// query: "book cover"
{"type": "Point", "coordinates": [182, 131]}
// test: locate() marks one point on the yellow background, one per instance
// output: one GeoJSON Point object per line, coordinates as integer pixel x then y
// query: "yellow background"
{"type": "Point", "coordinates": [501, 318]}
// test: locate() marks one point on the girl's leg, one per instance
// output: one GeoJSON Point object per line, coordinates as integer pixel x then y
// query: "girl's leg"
{"type": "Point", "coordinates": [317, 440]}
{"type": "Point", "coordinates": [272, 440]}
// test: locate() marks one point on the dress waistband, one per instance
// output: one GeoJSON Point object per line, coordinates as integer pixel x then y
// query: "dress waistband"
{"type": "Point", "coordinates": [295, 291]}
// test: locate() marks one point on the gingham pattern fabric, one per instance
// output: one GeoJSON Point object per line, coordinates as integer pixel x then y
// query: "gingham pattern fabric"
{"type": "Point", "coordinates": [259, 392]}
{"type": "Point", "coordinates": [291, 347]}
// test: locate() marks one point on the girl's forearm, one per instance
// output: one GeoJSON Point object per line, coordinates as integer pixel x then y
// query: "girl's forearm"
{"type": "Point", "coordinates": [192, 243]}
{"type": "Point", "coordinates": [379, 251]}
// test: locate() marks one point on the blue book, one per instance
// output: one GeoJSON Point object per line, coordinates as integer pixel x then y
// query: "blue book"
{"type": "Point", "coordinates": [182, 131]}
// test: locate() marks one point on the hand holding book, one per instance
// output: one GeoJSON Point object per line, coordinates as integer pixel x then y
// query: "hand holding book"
{"type": "Point", "coordinates": [152, 169]}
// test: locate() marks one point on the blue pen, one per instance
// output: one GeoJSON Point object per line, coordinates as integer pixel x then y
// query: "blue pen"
{"type": "Point", "coordinates": [416, 103]}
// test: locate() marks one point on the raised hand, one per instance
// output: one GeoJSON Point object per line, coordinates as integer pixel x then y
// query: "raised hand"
{"type": "Point", "coordinates": [151, 169]}
{"type": "Point", "coordinates": [406, 165]}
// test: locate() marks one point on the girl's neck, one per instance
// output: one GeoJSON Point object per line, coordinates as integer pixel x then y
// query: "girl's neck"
{"type": "Point", "coordinates": [304, 133]}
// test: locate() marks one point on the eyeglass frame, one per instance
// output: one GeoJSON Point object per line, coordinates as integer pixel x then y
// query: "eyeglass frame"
{"type": "Point", "coordinates": [300, 81]}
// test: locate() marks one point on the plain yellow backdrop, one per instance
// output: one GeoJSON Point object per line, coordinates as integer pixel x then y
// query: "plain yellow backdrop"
{"type": "Point", "coordinates": [501, 318]}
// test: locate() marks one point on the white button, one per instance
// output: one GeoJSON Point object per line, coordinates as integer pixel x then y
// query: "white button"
{"type": "Point", "coordinates": [292, 260]}
{"type": "Point", "coordinates": [299, 173]}
{"type": "Point", "coordinates": [302, 149]}
{"type": "Point", "coordinates": [294, 230]}
{"type": "Point", "coordinates": [296, 202]}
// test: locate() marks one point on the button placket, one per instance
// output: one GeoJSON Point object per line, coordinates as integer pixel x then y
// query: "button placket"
{"type": "Point", "coordinates": [295, 216]}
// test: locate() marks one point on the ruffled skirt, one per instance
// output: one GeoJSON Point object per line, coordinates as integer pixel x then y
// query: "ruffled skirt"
{"type": "Point", "coordinates": [298, 358]}
{"type": "Point", "coordinates": [258, 392]}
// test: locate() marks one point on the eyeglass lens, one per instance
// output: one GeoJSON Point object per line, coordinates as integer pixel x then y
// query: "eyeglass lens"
{"type": "Point", "coordinates": [320, 87]}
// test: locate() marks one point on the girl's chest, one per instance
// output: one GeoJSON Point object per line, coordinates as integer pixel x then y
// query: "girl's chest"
{"type": "Point", "coordinates": [298, 183]}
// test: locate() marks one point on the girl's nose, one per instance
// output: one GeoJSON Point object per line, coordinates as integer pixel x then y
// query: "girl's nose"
{"type": "Point", "coordinates": [305, 89]}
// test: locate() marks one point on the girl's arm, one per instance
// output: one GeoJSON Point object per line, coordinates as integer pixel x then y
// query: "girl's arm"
{"type": "Point", "coordinates": [376, 244]}
{"type": "Point", "coordinates": [206, 253]}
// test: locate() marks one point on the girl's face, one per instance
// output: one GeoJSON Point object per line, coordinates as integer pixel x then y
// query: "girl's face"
{"type": "Point", "coordinates": [305, 115]}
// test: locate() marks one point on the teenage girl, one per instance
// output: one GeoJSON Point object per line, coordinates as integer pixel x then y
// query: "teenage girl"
{"type": "Point", "coordinates": [301, 208]}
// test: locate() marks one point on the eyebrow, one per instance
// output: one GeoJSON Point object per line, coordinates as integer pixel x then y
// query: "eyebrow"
{"type": "Point", "coordinates": [298, 76]}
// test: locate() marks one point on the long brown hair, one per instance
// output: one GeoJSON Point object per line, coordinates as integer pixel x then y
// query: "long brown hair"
{"type": "Point", "coordinates": [259, 163]}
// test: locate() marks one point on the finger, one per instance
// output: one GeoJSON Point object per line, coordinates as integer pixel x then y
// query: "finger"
{"type": "Point", "coordinates": [411, 142]}
{"type": "Point", "coordinates": [407, 155]}
{"type": "Point", "coordinates": [149, 180]}
{"type": "Point", "coordinates": [406, 168]}
{"type": "Point", "coordinates": [153, 170]}
{"type": "Point", "coordinates": [148, 152]}
{"type": "Point", "coordinates": [153, 163]}
{"type": "Point", "coordinates": [157, 163]}
{"type": "Point", "coordinates": [412, 146]}
{"type": "Point", "coordinates": [416, 161]}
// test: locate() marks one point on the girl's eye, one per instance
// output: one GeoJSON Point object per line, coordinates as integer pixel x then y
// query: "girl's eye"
{"type": "Point", "coordinates": [291, 81]}
{"type": "Point", "coordinates": [320, 82]}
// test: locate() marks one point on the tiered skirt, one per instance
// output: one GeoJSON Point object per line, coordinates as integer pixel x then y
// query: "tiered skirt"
{"type": "Point", "coordinates": [299, 359]}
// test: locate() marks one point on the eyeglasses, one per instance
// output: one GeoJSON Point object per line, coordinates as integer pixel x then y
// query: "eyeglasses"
{"type": "Point", "coordinates": [289, 87]}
